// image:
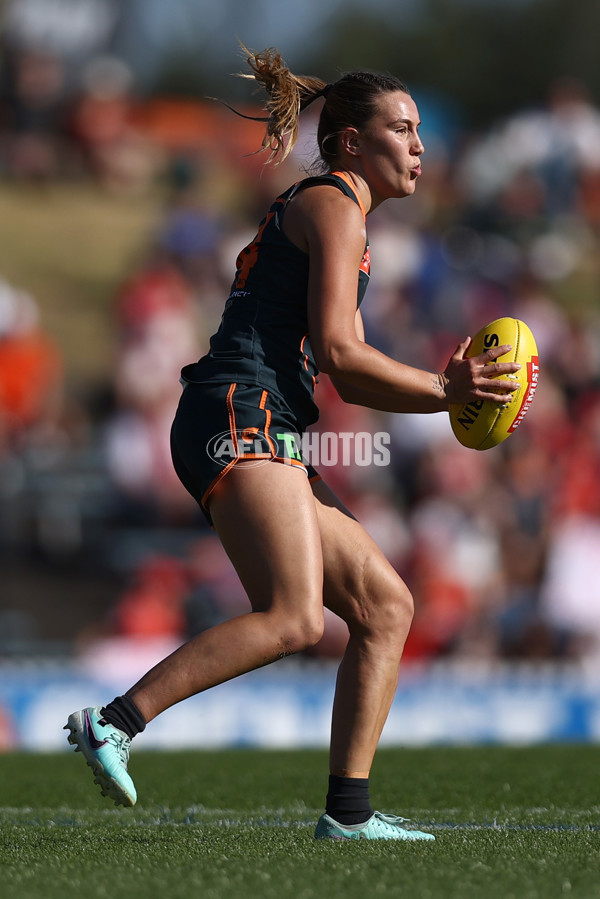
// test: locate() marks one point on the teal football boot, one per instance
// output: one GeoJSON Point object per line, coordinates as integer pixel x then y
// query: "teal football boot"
{"type": "Point", "coordinates": [378, 827]}
{"type": "Point", "coordinates": [106, 750]}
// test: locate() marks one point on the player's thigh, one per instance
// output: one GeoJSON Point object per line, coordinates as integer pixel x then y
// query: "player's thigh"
{"type": "Point", "coordinates": [360, 584]}
{"type": "Point", "coordinates": [266, 518]}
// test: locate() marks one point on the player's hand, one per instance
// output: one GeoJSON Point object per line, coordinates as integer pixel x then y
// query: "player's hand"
{"type": "Point", "coordinates": [469, 379]}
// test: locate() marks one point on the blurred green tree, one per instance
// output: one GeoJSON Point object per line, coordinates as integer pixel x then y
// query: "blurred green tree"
{"type": "Point", "coordinates": [489, 57]}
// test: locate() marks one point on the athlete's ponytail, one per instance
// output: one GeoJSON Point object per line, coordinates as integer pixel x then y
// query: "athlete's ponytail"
{"type": "Point", "coordinates": [350, 102]}
{"type": "Point", "coordinates": [287, 94]}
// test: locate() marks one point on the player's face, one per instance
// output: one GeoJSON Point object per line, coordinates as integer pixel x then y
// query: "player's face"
{"type": "Point", "coordinates": [390, 147]}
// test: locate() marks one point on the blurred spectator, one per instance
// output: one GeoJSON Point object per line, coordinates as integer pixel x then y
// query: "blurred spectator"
{"type": "Point", "coordinates": [32, 114]}
{"type": "Point", "coordinates": [112, 147]}
{"type": "Point", "coordinates": [215, 591]}
{"type": "Point", "coordinates": [157, 329]}
{"type": "Point", "coordinates": [153, 605]}
{"type": "Point", "coordinates": [30, 368]}
{"type": "Point", "coordinates": [549, 147]}
{"type": "Point", "coordinates": [192, 238]}
{"type": "Point", "coordinates": [571, 588]}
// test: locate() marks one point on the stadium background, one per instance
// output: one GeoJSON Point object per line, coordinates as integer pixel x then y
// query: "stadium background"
{"type": "Point", "coordinates": [124, 198]}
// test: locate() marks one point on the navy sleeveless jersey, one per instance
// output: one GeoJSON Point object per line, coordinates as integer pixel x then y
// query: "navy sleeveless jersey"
{"type": "Point", "coordinates": [263, 336]}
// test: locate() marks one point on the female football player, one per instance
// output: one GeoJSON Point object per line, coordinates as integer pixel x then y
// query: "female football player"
{"type": "Point", "coordinates": [293, 312]}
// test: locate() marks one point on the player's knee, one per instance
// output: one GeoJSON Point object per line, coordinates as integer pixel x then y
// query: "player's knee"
{"type": "Point", "coordinates": [397, 611]}
{"type": "Point", "coordinates": [385, 611]}
{"type": "Point", "coordinates": [303, 632]}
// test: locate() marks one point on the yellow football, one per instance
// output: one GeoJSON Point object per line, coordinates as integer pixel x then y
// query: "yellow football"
{"type": "Point", "coordinates": [482, 424]}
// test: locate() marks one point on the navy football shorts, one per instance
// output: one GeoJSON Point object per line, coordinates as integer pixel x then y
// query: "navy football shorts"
{"type": "Point", "coordinates": [219, 424]}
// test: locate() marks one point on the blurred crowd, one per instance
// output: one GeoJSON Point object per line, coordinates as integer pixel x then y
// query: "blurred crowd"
{"type": "Point", "coordinates": [501, 548]}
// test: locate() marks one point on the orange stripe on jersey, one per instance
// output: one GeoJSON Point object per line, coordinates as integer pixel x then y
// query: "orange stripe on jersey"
{"type": "Point", "coordinates": [365, 265]}
{"type": "Point", "coordinates": [348, 181]}
{"type": "Point", "coordinates": [305, 360]}
{"type": "Point", "coordinates": [231, 413]}
{"type": "Point", "coordinates": [305, 356]}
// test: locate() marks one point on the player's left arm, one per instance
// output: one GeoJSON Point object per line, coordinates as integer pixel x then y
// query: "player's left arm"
{"type": "Point", "coordinates": [359, 396]}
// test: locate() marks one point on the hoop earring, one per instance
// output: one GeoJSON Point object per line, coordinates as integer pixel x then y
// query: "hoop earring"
{"type": "Point", "coordinates": [324, 151]}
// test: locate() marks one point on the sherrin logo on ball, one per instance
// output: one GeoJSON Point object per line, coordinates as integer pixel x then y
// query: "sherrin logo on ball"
{"type": "Point", "coordinates": [483, 424]}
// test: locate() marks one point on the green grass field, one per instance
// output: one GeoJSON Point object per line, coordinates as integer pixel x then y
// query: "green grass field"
{"type": "Point", "coordinates": [517, 823]}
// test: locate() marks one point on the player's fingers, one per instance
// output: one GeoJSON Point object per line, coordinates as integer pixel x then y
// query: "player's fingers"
{"type": "Point", "coordinates": [500, 398]}
{"type": "Point", "coordinates": [493, 369]}
{"type": "Point", "coordinates": [461, 349]}
{"type": "Point", "coordinates": [493, 353]}
{"type": "Point", "coordinates": [497, 386]}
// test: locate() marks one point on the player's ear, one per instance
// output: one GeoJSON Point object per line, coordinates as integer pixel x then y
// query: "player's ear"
{"type": "Point", "coordinates": [350, 141]}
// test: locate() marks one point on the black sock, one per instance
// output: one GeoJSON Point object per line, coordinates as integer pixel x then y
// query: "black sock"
{"type": "Point", "coordinates": [348, 799]}
{"type": "Point", "coordinates": [124, 714]}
